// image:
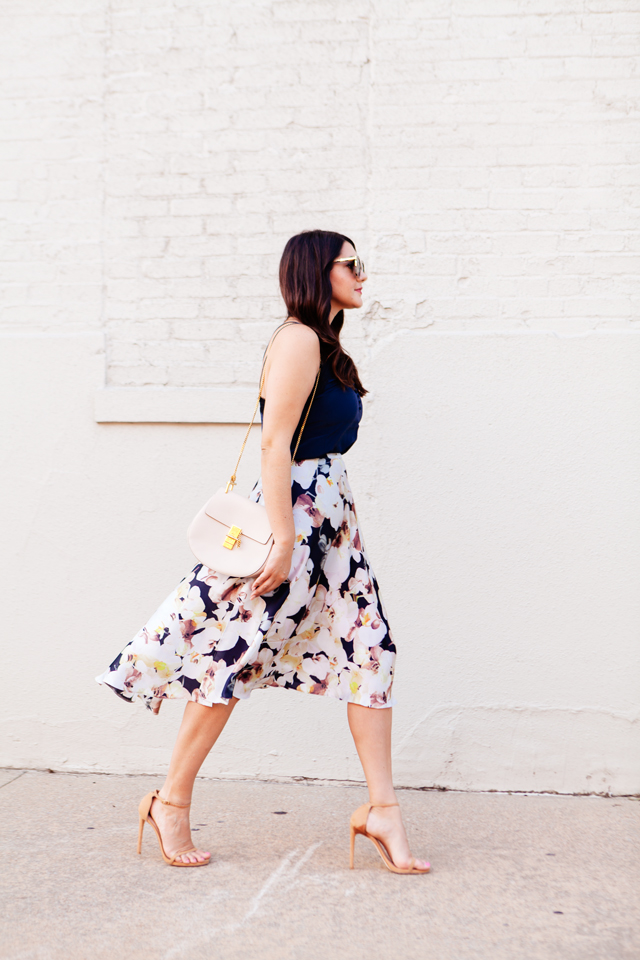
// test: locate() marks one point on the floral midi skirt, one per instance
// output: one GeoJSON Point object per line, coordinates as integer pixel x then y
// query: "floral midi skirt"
{"type": "Point", "coordinates": [323, 631]}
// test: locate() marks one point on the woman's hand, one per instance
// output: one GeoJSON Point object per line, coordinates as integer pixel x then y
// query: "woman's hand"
{"type": "Point", "coordinates": [276, 570]}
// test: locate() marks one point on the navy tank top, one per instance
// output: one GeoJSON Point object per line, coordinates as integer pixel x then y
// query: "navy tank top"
{"type": "Point", "coordinates": [332, 425]}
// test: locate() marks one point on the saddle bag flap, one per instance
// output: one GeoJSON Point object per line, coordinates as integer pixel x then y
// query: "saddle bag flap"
{"type": "Point", "coordinates": [230, 510]}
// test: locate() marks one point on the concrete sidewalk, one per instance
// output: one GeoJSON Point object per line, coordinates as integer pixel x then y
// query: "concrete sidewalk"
{"type": "Point", "coordinates": [514, 876]}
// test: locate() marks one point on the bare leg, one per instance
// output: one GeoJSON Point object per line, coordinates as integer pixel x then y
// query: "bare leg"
{"type": "Point", "coordinates": [371, 731]}
{"type": "Point", "coordinates": [201, 726]}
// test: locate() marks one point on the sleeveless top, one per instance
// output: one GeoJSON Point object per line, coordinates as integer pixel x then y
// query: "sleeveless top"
{"type": "Point", "coordinates": [332, 425]}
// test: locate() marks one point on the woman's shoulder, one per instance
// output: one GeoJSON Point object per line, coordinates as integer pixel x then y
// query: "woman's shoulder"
{"type": "Point", "coordinates": [293, 352]}
{"type": "Point", "coordinates": [300, 329]}
{"type": "Point", "coordinates": [295, 336]}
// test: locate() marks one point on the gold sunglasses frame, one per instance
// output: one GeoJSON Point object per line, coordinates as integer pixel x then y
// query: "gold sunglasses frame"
{"type": "Point", "coordinates": [357, 273]}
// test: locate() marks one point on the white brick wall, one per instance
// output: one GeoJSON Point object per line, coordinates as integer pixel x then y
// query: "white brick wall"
{"type": "Point", "coordinates": [156, 158]}
{"type": "Point", "coordinates": [51, 164]}
{"type": "Point", "coordinates": [484, 156]}
{"type": "Point", "coordinates": [230, 127]}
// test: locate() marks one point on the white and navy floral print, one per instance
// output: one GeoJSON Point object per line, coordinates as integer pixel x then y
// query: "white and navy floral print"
{"type": "Point", "coordinates": [323, 632]}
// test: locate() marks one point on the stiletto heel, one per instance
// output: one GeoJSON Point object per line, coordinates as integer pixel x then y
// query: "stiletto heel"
{"type": "Point", "coordinates": [359, 825]}
{"type": "Point", "coordinates": [144, 811]}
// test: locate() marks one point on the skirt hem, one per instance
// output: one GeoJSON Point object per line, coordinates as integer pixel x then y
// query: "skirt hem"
{"type": "Point", "coordinates": [243, 695]}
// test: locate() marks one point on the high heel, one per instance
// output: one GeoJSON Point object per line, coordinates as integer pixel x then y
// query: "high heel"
{"type": "Point", "coordinates": [359, 825]}
{"type": "Point", "coordinates": [144, 811]}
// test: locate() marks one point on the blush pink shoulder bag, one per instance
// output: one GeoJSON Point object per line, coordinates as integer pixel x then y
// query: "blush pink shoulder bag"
{"type": "Point", "coordinates": [231, 534]}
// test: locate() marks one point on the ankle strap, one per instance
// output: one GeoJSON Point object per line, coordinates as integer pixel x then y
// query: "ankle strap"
{"type": "Point", "coordinates": [168, 803]}
{"type": "Point", "coordinates": [384, 804]}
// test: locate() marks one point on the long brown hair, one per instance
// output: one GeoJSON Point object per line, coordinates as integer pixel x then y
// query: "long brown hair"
{"type": "Point", "coordinates": [306, 289]}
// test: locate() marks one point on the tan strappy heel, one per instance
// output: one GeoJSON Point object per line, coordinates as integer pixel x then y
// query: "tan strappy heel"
{"type": "Point", "coordinates": [145, 817]}
{"type": "Point", "coordinates": [359, 825]}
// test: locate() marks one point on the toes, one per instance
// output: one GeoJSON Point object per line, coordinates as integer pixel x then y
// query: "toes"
{"type": "Point", "coordinates": [196, 856]}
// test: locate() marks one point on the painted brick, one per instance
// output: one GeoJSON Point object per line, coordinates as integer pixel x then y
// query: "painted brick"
{"type": "Point", "coordinates": [155, 160]}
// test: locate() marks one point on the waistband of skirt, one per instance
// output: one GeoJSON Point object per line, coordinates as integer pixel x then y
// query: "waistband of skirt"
{"type": "Point", "coordinates": [326, 456]}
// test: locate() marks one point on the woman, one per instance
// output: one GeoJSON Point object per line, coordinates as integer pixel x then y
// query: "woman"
{"type": "Point", "coordinates": [312, 619]}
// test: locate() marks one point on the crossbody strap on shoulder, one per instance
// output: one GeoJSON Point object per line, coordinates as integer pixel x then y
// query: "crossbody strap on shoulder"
{"type": "Point", "coordinates": [232, 480]}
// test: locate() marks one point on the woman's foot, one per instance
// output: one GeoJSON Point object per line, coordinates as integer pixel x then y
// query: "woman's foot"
{"type": "Point", "coordinates": [385, 824]}
{"type": "Point", "coordinates": [173, 824]}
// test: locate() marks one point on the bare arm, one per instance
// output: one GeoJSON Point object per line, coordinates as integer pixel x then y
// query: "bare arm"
{"type": "Point", "coordinates": [291, 370]}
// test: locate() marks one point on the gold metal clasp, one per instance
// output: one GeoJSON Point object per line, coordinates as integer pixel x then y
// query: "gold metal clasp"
{"type": "Point", "coordinates": [232, 539]}
{"type": "Point", "coordinates": [230, 485]}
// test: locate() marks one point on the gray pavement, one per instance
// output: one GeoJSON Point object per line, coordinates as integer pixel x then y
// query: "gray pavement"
{"type": "Point", "coordinates": [514, 876]}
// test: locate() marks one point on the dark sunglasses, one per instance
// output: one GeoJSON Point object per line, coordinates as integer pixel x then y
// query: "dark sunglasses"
{"type": "Point", "coordinates": [355, 265]}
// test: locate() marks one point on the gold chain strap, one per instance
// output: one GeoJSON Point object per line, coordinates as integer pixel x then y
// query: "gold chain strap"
{"type": "Point", "coordinates": [306, 417]}
{"type": "Point", "coordinates": [232, 480]}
